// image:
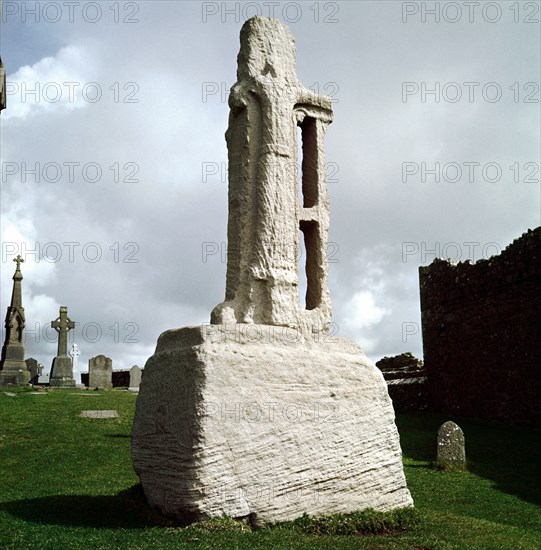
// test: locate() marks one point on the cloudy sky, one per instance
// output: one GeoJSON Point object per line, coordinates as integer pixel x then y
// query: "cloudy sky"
{"type": "Point", "coordinates": [114, 185]}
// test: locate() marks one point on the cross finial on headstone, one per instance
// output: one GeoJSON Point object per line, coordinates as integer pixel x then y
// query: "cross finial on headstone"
{"type": "Point", "coordinates": [19, 261]}
{"type": "Point", "coordinates": [63, 324]}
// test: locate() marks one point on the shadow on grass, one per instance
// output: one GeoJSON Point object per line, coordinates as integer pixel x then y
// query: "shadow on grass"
{"type": "Point", "coordinates": [507, 455]}
{"type": "Point", "coordinates": [126, 510]}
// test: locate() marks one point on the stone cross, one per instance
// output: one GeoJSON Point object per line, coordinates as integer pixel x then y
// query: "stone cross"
{"type": "Point", "coordinates": [19, 261]}
{"type": "Point", "coordinates": [63, 324]}
{"type": "Point", "coordinates": [180, 454]}
{"type": "Point", "coordinates": [451, 446]}
{"type": "Point", "coordinates": [75, 352]}
{"type": "Point", "coordinates": [268, 106]}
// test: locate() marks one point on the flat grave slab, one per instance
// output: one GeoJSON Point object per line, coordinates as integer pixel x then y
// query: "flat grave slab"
{"type": "Point", "coordinates": [99, 414]}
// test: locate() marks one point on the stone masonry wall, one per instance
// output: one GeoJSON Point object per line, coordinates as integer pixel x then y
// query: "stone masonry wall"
{"type": "Point", "coordinates": [406, 381]}
{"type": "Point", "coordinates": [481, 328]}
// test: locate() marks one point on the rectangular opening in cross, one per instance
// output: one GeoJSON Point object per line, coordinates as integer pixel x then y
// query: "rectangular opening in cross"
{"type": "Point", "coordinates": [310, 239]}
{"type": "Point", "coordinates": [307, 134]}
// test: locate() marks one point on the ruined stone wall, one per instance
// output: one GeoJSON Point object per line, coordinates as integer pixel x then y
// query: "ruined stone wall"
{"type": "Point", "coordinates": [406, 382]}
{"type": "Point", "coordinates": [481, 328]}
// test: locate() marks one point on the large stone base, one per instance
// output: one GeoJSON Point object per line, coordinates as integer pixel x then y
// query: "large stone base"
{"type": "Point", "coordinates": [256, 421]}
{"type": "Point", "coordinates": [14, 369]}
{"type": "Point", "coordinates": [14, 377]}
{"type": "Point", "coordinates": [62, 373]}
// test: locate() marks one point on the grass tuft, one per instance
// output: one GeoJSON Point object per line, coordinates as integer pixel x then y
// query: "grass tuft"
{"type": "Point", "coordinates": [448, 467]}
{"type": "Point", "coordinates": [222, 524]}
{"type": "Point", "coordinates": [366, 522]}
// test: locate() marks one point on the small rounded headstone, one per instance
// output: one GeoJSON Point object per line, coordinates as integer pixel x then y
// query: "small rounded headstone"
{"type": "Point", "coordinates": [451, 446]}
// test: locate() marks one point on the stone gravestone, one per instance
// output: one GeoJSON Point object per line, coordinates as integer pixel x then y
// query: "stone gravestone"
{"type": "Point", "coordinates": [135, 377]}
{"type": "Point", "coordinates": [62, 369]}
{"type": "Point", "coordinates": [99, 414]}
{"type": "Point", "coordinates": [35, 368]}
{"type": "Point", "coordinates": [262, 414]}
{"type": "Point", "coordinates": [13, 369]}
{"type": "Point", "coordinates": [451, 445]}
{"type": "Point", "coordinates": [100, 372]}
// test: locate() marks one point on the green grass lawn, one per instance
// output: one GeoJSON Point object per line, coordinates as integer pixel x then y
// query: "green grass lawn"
{"type": "Point", "coordinates": [67, 482]}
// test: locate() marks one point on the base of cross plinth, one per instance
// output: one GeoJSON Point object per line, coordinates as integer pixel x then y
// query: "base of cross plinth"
{"type": "Point", "coordinates": [62, 373]}
{"type": "Point", "coordinates": [257, 421]}
{"type": "Point", "coordinates": [14, 369]}
{"type": "Point", "coordinates": [14, 375]}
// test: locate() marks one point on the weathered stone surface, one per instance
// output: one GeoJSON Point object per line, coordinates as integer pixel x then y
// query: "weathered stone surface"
{"type": "Point", "coordinates": [100, 372]}
{"type": "Point", "coordinates": [135, 377]}
{"type": "Point", "coordinates": [62, 368]}
{"type": "Point", "coordinates": [406, 381]}
{"type": "Point", "coordinates": [267, 104]}
{"type": "Point", "coordinates": [261, 414]}
{"type": "Point", "coordinates": [451, 445]}
{"type": "Point", "coordinates": [487, 316]}
{"type": "Point", "coordinates": [62, 373]}
{"type": "Point", "coordinates": [256, 420]}
{"type": "Point", "coordinates": [119, 378]}
{"type": "Point", "coordinates": [13, 369]}
{"type": "Point", "coordinates": [35, 368]}
{"type": "Point", "coordinates": [401, 366]}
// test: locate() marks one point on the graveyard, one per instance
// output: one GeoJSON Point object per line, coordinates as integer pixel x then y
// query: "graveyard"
{"type": "Point", "coordinates": [68, 482]}
{"type": "Point", "coordinates": [261, 429]}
